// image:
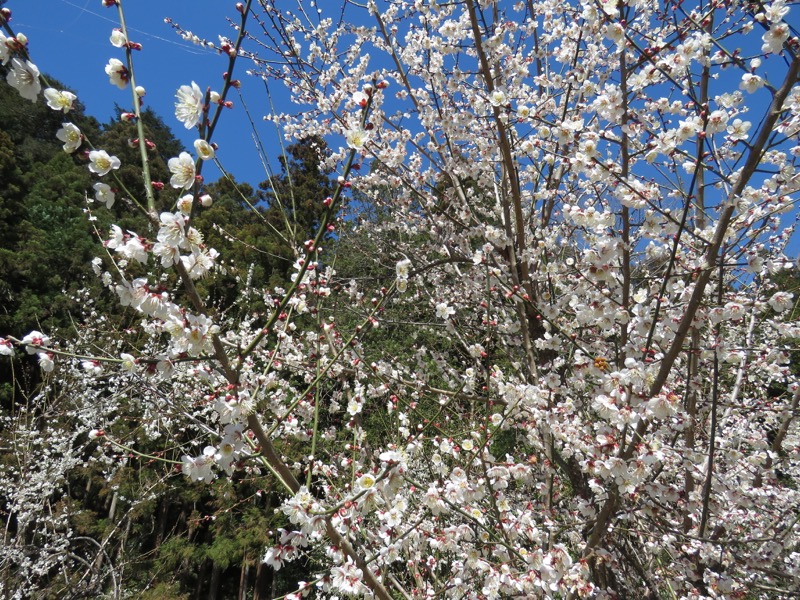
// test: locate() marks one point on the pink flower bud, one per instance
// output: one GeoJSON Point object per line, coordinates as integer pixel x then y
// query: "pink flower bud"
{"type": "Point", "coordinates": [109, 3]}
{"type": "Point", "coordinates": [158, 185]}
{"type": "Point", "coordinates": [5, 15]}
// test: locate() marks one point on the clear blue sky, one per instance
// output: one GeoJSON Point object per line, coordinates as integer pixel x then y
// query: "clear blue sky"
{"type": "Point", "coordinates": [68, 39]}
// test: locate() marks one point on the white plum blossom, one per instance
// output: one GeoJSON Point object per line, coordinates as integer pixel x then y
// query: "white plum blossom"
{"type": "Point", "coordinates": [498, 98]}
{"type": "Point", "coordinates": [128, 363]}
{"type": "Point", "coordinates": [71, 136]}
{"type": "Point", "coordinates": [46, 362]}
{"type": "Point", "coordinates": [357, 137]}
{"type": "Point", "coordinates": [204, 150]}
{"type": "Point", "coordinates": [774, 38]}
{"type": "Point", "coordinates": [117, 73]}
{"type": "Point", "coordinates": [751, 82]}
{"type": "Point", "coordinates": [444, 310]}
{"type": "Point", "coordinates": [34, 340]}
{"type": "Point", "coordinates": [738, 129]}
{"type": "Point", "coordinates": [24, 77]}
{"type": "Point", "coordinates": [360, 99]}
{"type": "Point", "coordinates": [781, 301]}
{"type": "Point", "coordinates": [183, 171]}
{"type": "Point", "coordinates": [189, 107]}
{"type": "Point", "coordinates": [59, 100]}
{"type": "Point", "coordinates": [5, 55]}
{"type": "Point", "coordinates": [103, 193]}
{"type": "Point", "coordinates": [101, 163]}
{"type": "Point", "coordinates": [184, 204]}
{"type": "Point", "coordinates": [6, 347]}
{"type": "Point", "coordinates": [717, 121]}
{"type": "Point", "coordinates": [199, 468]}
{"type": "Point", "coordinates": [118, 39]}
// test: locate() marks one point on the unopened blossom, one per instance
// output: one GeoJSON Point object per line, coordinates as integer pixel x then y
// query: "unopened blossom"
{"type": "Point", "coordinates": [360, 99]}
{"type": "Point", "coordinates": [103, 193]}
{"type": "Point", "coordinates": [59, 100]}
{"type": "Point", "coordinates": [189, 107]}
{"type": "Point", "coordinates": [117, 73]}
{"type": "Point", "coordinates": [101, 163]}
{"type": "Point", "coordinates": [71, 136]}
{"type": "Point", "coordinates": [204, 150]}
{"type": "Point", "coordinates": [183, 172]}
{"type": "Point", "coordinates": [24, 77]}
{"type": "Point", "coordinates": [206, 200]}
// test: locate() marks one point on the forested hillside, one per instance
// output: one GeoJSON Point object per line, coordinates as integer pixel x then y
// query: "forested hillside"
{"type": "Point", "coordinates": [168, 537]}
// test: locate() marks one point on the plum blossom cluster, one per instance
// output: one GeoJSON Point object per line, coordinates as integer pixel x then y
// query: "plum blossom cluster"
{"type": "Point", "coordinates": [594, 365]}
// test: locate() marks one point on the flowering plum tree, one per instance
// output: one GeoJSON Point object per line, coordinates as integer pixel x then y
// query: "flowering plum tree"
{"type": "Point", "coordinates": [577, 210]}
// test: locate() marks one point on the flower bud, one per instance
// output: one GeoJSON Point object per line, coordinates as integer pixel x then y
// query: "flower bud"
{"type": "Point", "coordinates": [206, 200]}
{"type": "Point", "coordinates": [128, 117]}
{"type": "Point", "coordinates": [240, 7]}
{"type": "Point", "coordinates": [140, 91]}
{"type": "Point", "coordinates": [5, 15]}
{"type": "Point", "coordinates": [109, 3]}
{"type": "Point", "coordinates": [158, 185]}
{"type": "Point", "coordinates": [22, 39]}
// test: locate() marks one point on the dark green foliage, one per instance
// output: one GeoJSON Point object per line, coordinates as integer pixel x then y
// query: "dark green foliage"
{"type": "Point", "coordinates": [294, 199]}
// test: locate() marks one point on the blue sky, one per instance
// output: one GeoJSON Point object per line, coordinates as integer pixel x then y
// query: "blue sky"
{"type": "Point", "coordinates": [68, 39]}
